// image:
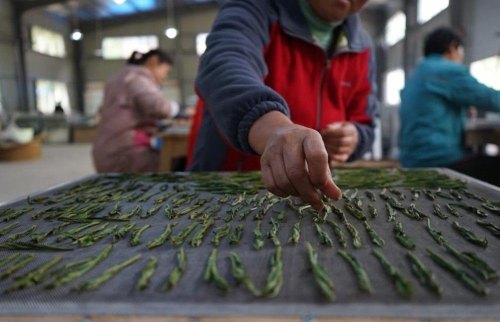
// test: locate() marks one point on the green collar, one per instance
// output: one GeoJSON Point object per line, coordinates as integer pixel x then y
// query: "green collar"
{"type": "Point", "coordinates": [321, 30]}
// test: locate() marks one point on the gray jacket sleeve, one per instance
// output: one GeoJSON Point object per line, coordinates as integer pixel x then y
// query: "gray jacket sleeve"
{"type": "Point", "coordinates": [232, 70]}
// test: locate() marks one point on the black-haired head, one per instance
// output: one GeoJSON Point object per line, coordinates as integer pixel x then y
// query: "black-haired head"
{"type": "Point", "coordinates": [440, 40]}
{"type": "Point", "coordinates": [138, 58]}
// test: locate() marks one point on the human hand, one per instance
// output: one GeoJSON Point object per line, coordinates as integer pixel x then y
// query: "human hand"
{"type": "Point", "coordinates": [472, 113]}
{"type": "Point", "coordinates": [294, 160]}
{"type": "Point", "coordinates": [341, 140]}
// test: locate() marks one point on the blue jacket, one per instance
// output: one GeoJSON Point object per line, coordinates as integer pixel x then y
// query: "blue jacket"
{"type": "Point", "coordinates": [261, 57]}
{"type": "Point", "coordinates": [434, 105]}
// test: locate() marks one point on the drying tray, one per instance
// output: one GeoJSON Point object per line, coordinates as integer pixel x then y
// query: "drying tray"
{"type": "Point", "coordinates": [299, 295]}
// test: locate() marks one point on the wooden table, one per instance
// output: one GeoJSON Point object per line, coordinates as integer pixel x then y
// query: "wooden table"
{"type": "Point", "coordinates": [82, 133]}
{"type": "Point", "coordinates": [174, 145]}
{"type": "Point", "coordinates": [481, 132]}
{"type": "Point", "coordinates": [20, 152]}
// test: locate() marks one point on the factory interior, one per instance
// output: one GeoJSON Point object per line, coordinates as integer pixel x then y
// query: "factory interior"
{"type": "Point", "coordinates": [169, 112]}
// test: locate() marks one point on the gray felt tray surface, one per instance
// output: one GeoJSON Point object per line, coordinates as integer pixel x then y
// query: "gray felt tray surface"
{"type": "Point", "coordinates": [299, 295]}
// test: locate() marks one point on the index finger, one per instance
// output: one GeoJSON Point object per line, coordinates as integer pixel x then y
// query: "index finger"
{"type": "Point", "coordinates": [295, 165]}
{"type": "Point", "coordinates": [319, 171]}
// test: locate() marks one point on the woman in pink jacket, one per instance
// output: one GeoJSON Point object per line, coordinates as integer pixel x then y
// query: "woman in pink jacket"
{"type": "Point", "coordinates": [132, 106]}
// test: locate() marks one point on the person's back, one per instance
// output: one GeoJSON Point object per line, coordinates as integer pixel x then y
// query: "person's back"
{"type": "Point", "coordinates": [431, 124]}
{"type": "Point", "coordinates": [434, 105]}
{"type": "Point", "coordinates": [118, 119]}
{"type": "Point", "coordinates": [132, 105]}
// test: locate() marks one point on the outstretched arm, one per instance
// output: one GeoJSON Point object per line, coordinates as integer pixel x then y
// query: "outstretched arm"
{"type": "Point", "coordinates": [252, 116]}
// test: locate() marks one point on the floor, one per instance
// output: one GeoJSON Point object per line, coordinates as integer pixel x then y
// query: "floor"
{"type": "Point", "coordinates": [60, 163]}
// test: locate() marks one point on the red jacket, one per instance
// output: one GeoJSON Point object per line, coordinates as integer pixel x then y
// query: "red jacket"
{"type": "Point", "coordinates": [261, 57]}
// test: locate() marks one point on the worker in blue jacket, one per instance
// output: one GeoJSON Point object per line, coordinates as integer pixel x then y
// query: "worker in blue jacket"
{"type": "Point", "coordinates": [435, 102]}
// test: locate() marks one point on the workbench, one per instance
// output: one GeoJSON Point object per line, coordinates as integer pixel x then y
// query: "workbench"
{"type": "Point", "coordinates": [174, 144]}
{"type": "Point", "coordinates": [299, 299]}
{"type": "Point", "coordinates": [480, 132]}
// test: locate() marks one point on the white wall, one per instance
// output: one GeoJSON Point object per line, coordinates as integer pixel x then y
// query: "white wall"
{"type": "Point", "coordinates": [181, 82]}
{"type": "Point", "coordinates": [395, 54]}
{"type": "Point", "coordinates": [8, 81]}
{"type": "Point", "coordinates": [394, 59]}
{"type": "Point", "coordinates": [481, 23]}
{"type": "Point", "coordinates": [40, 66]}
{"type": "Point", "coordinates": [190, 25]}
{"type": "Point", "coordinates": [485, 25]}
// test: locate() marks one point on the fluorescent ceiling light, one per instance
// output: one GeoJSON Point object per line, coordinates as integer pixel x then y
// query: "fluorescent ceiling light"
{"type": "Point", "coordinates": [171, 32]}
{"type": "Point", "coordinates": [76, 35]}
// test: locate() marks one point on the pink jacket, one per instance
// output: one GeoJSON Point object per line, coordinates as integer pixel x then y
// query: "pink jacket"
{"type": "Point", "coordinates": [132, 102]}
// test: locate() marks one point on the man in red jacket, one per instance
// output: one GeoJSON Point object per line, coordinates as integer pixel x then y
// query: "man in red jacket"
{"type": "Point", "coordinates": [291, 81]}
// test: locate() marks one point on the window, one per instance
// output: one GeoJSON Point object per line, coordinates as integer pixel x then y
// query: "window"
{"type": "Point", "coordinates": [47, 42]}
{"type": "Point", "coordinates": [395, 29]}
{"type": "Point", "coordinates": [49, 93]}
{"type": "Point", "coordinates": [487, 71]}
{"type": "Point", "coordinates": [394, 83]}
{"type": "Point", "coordinates": [427, 9]}
{"type": "Point", "coordinates": [201, 43]}
{"type": "Point", "coordinates": [123, 47]}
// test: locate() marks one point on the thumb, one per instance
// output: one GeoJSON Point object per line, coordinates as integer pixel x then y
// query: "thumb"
{"type": "Point", "coordinates": [331, 190]}
{"type": "Point", "coordinates": [335, 126]}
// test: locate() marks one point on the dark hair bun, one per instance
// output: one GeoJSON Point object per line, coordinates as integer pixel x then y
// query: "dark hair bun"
{"type": "Point", "coordinates": [138, 58]}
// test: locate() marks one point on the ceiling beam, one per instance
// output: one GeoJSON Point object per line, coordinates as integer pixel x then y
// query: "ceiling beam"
{"type": "Point", "coordinates": [105, 6]}
{"type": "Point", "coordinates": [133, 4]}
{"type": "Point", "coordinates": [22, 6]}
{"type": "Point", "coordinates": [25, 5]}
{"type": "Point", "coordinates": [159, 13]}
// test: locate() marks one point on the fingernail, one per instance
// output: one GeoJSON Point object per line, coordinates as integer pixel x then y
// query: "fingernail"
{"type": "Point", "coordinates": [318, 207]}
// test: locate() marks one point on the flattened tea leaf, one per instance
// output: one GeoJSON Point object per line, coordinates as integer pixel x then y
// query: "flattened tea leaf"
{"type": "Point", "coordinates": [424, 275]}
{"type": "Point", "coordinates": [321, 277]}
{"type": "Point", "coordinates": [364, 283]}
{"type": "Point", "coordinates": [463, 277]}
{"type": "Point", "coordinates": [176, 274]}
{"type": "Point", "coordinates": [470, 236]}
{"type": "Point", "coordinates": [212, 273]}
{"type": "Point", "coordinates": [403, 285]}
{"type": "Point", "coordinates": [96, 282]}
